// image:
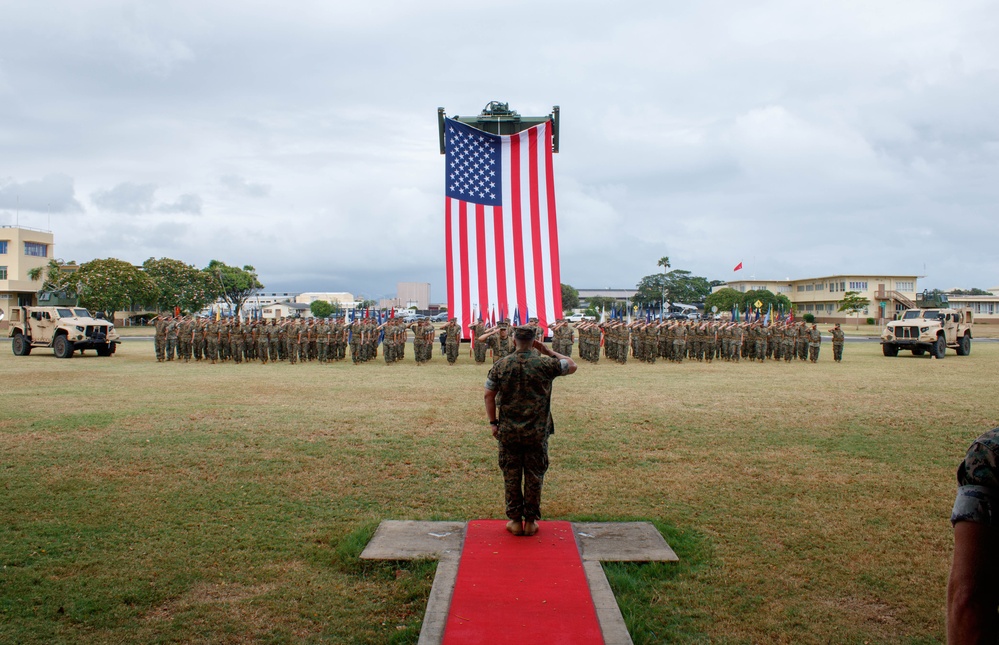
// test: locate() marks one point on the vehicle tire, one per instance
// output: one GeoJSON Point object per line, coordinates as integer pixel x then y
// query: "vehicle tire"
{"type": "Point", "coordinates": [107, 350]}
{"type": "Point", "coordinates": [964, 345]}
{"type": "Point", "coordinates": [20, 345]}
{"type": "Point", "coordinates": [940, 347]}
{"type": "Point", "coordinates": [889, 349]}
{"type": "Point", "coordinates": [62, 347]}
{"type": "Point", "coordinates": [918, 351]}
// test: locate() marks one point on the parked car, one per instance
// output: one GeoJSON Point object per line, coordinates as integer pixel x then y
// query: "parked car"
{"type": "Point", "coordinates": [411, 318]}
{"type": "Point", "coordinates": [577, 318]}
{"type": "Point", "coordinates": [441, 317]}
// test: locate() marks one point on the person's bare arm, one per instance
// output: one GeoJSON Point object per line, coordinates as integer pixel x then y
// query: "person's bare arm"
{"type": "Point", "coordinates": [973, 588]}
{"type": "Point", "coordinates": [490, 398]}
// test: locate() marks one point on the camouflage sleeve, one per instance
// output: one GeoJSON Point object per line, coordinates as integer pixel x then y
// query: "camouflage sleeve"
{"type": "Point", "coordinates": [492, 379]}
{"type": "Point", "coordinates": [978, 483]}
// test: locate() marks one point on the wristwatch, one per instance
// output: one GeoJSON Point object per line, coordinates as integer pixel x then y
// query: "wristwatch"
{"type": "Point", "coordinates": [494, 423]}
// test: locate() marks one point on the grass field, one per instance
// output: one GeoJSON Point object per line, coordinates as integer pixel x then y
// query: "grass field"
{"type": "Point", "coordinates": [148, 502]}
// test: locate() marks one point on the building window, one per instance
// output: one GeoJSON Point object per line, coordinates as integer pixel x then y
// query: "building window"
{"type": "Point", "coordinates": [37, 250]}
{"type": "Point", "coordinates": [809, 308]}
{"type": "Point", "coordinates": [858, 286]}
{"type": "Point", "coordinates": [820, 286]}
{"type": "Point", "coordinates": [809, 287]}
{"type": "Point", "coordinates": [905, 286]}
{"type": "Point", "coordinates": [801, 287]}
{"type": "Point", "coordinates": [3, 273]}
{"type": "Point", "coordinates": [3, 247]}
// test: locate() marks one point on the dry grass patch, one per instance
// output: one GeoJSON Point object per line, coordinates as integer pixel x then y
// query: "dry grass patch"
{"type": "Point", "coordinates": [808, 503]}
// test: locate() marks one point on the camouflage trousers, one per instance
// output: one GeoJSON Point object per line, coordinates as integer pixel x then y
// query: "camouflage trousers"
{"type": "Point", "coordinates": [171, 348]}
{"type": "Point", "coordinates": [813, 352]}
{"type": "Point", "coordinates": [679, 349]}
{"type": "Point", "coordinates": [199, 347]}
{"type": "Point", "coordinates": [212, 349]}
{"type": "Point", "coordinates": [480, 352]}
{"type": "Point", "coordinates": [262, 347]}
{"type": "Point", "coordinates": [761, 349]}
{"type": "Point", "coordinates": [184, 348]}
{"type": "Point", "coordinates": [524, 467]}
{"type": "Point", "coordinates": [451, 349]}
{"type": "Point", "coordinates": [837, 352]}
{"type": "Point", "coordinates": [159, 344]}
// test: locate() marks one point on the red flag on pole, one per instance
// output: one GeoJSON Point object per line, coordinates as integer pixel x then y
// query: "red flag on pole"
{"type": "Point", "coordinates": [737, 267]}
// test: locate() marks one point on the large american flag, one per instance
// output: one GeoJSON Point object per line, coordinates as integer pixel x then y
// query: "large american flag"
{"type": "Point", "coordinates": [501, 236]}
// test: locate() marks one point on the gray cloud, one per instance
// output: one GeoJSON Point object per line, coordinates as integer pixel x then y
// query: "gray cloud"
{"type": "Point", "coordinates": [185, 204]}
{"type": "Point", "coordinates": [241, 186]}
{"type": "Point", "coordinates": [791, 136]}
{"type": "Point", "coordinates": [125, 198]}
{"type": "Point", "coordinates": [51, 194]}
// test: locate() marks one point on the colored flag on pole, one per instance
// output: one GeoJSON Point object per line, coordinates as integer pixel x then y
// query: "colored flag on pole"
{"type": "Point", "coordinates": [737, 267]}
{"type": "Point", "coordinates": [500, 229]}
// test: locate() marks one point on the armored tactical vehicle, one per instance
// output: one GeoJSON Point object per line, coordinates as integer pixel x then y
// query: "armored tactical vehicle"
{"type": "Point", "coordinates": [929, 331]}
{"type": "Point", "coordinates": [64, 329]}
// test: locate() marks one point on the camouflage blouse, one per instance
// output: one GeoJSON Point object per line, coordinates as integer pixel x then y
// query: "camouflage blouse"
{"type": "Point", "coordinates": [978, 482]}
{"type": "Point", "coordinates": [523, 385]}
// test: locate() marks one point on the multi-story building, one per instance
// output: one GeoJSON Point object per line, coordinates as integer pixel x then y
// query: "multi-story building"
{"type": "Point", "coordinates": [984, 309]}
{"type": "Point", "coordinates": [887, 295]}
{"type": "Point", "coordinates": [21, 250]}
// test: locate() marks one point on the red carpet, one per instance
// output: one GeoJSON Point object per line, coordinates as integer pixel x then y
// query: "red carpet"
{"type": "Point", "coordinates": [521, 589]}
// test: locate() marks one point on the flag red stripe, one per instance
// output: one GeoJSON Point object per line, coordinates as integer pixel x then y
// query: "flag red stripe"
{"type": "Point", "coordinates": [482, 299]}
{"type": "Point", "coordinates": [449, 252]}
{"type": "Point", "coordinates": [465, 287]}
{"type": "Point", "coordinates": [500, 261]}
{"type": "Point", "coordinates": [539, 273]}
{"type": "Point", "coordinates": [552, 224]}
{"type": "Point", "coordinates": [518, 232]}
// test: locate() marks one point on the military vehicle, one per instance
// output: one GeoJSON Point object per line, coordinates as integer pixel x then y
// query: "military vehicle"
{"type": "Point", "coordinates": [64, 329]}
{"type": "Point", "coordinates": [929, 331]}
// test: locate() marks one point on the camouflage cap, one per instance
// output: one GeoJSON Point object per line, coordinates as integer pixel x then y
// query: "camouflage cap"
{"type": "Point", "coordinates": [523, 332]}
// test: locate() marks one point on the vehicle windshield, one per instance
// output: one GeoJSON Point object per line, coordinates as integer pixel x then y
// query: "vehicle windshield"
{"type": "Point", "coordinates": [916, 313]}
{"type": "Point", "coordinates": [64, 313]}
{"type": "Point", "coordinates": [81, 313]}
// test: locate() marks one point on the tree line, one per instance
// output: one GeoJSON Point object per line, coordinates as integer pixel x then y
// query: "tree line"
{"type": "Point", "coordinates": [161, 284]}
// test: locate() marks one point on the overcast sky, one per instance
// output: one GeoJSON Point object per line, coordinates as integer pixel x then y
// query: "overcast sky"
{"type": "Point", "coordinates": [800, 138]}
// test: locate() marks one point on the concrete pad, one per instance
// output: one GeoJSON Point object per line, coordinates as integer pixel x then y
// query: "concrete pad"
{"type": "Point", "coordinates": [608, 541]}
{"type": "Point", "coordinates": [622, 542]}
{"type": "Point", "coordinates": [608, 613]}
{"type": "Point", "coordinates": [412, 540]}
{"type": "Point", "coordinates": [439, 602]}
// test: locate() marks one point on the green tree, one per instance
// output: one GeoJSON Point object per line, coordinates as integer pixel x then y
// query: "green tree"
{"type": "Point", "coordinates": [322, 309]}
{"type": "Point", "coordinates": [597, 304]}
{"type": "Point", "coordinates": [667, 288]}
{"type": "Point", "coordinates": [725, 299]}
{"type": "Point", "coordinates": [854, 303]}
{"type": "Point", "coordinates": [232, 284]}
{"type": "Point", "coordinates": [57, 275]}
{"type": "Point", "coordinates": [570, 298]}
{"type": "Point", "coordinates": [179, 285]}
{"type": "Point", "coordinates": [113, 285]}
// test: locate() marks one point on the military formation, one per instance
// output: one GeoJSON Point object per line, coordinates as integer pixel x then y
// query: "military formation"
{"type": "Point", "coordinates": [676, 341]}
{"type": "Point", "coordinates": [187, 338]}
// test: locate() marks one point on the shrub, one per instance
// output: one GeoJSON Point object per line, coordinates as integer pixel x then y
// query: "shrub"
{"type": "Point", "coordinates": [809, 318]}
{"type": "Point", "coordinates": [871, 321]}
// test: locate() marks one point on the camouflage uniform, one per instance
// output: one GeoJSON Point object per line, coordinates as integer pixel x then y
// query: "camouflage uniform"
{"type": "Point", "coordinates": [159, 337]}
{"type": "Point", "coordinates": [171, 338]}
{"type": "Point", "coordinates": [479, 348]}
{"type": "Point", "coordinates": [525, 423]}
{"type": "Point", "coordinates": [453, 331]}
{"type": "Point", "coordinates": [199, 339]}
{"type": "Point", "coordinates": [838, 337]}
{"type": "Point", "coordinates": [185, 337]}
{"type": "Point", "coordinates": [977, 497]}
{"type": "Point", "coordinates": [814, 343]}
